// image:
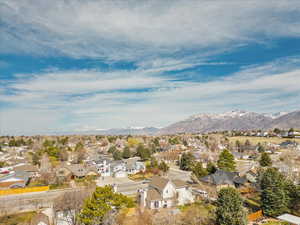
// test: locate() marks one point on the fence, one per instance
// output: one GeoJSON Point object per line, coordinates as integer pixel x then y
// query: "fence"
{"type": "Point", "coordinates": [23, 190]}
{"type": "Point", "coordinates": [255, 216]}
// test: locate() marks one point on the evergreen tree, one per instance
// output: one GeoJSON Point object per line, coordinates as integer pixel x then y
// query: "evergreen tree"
{"type": "Point", "coordinates": [260, 148]}
{"type": "Point", "coordinates": [3, 164]}
{"type": "Point", "coordinates": [274, 195]}
{"type": "Point", "coordinates": [294, 196]}
{"type": "Point", "coordinates": [163, 166]}
{"type": "Point", "coordinates": [211, 168]}
{"type": "Point", "coordinates": [276, 131]}
{"type": "Point", "coordinates": [238, 145]}
{"type": "Point", "coordinates": [247, 143]}
{"type": "Point", "coordinates": [117, 155]}
{"type": "Point", "coordinates": [156, 141]}
{"type": "Point", "coordinates": [126, 153]}
{"type": "Point", "coordinates": [265, 160]}
{"type": "Point", "coordinates": [186, 161]}
{"type": "Point", "coordinates": [143, 152]}
{"type": "Point", "coordinates": [102, 201]}
{"type": "Point", "coordinates": [199, 171]}
{"type": "Point", "coordinates": [153, 163]}
{"type": "Point", "coordinates": [230, 209]}
{"type": "Point", "coordinates": [35, 158]}
{"type": "Point", "coordinates": [112, 149]}
{"type": "Point", "coordinates": [226, 161]}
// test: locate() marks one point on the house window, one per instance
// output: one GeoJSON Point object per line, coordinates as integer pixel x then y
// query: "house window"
{"type": "Point", "coordinates": [156, 204]}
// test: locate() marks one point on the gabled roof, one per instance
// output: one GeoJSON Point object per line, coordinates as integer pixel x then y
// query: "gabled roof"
{"type": "Point", "coordinates": [26, 168]}
{"type": "Point", "coordinates": [153, 194]}
{"type": "Point", "coordinates": [77, 169]}
{"type": "Point", "coordinates": [179, 183]}
{"type": "Point", "coordinates": [158, 182]}
{"type": "Point", "coordinates": [239, 180]}
{"type": "Point", "coordinates": [21, 177]}
{"type": "Point", "coordinates": [220, 177]}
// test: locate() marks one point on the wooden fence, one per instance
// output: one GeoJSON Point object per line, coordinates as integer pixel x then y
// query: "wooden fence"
{"type": "Point", "coordinates": [23, 190]}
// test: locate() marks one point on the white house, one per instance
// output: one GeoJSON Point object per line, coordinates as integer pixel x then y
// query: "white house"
{"type": "Point", "coordinates": [164, 193]}
{"type": "Point", "coordinates": [104, 167]}
{"type": "Point", "coordinates": [133, 165]}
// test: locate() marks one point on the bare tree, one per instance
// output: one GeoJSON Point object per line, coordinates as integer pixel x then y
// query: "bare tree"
{"type": "Point", "coordinates": [69, 204]}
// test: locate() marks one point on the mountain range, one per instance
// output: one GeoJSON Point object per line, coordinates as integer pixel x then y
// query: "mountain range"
{"type": "Point", "coordinates": [209, 122]}
{"type": "Point", "coordinates": [234, 120]}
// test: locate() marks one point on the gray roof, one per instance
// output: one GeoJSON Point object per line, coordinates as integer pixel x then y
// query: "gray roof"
{"type": "Point", "coordinates": [221, 177]}
{"type": "Point", "coordinates": [26, 168]}
{"type": "Point", "coordinates": [18, 174]}
{"type": "Point", "coordinates": [77, 169]}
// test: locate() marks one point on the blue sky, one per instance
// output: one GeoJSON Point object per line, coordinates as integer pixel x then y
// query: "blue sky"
{"type": "Point", "coordinates": [80, 65]}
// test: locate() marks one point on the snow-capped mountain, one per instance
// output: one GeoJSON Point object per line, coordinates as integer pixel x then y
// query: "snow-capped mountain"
{"type": "Point", "coordinates": [275, 115]}
{"type": "Point", "coordinates": [234, 120]}
{"type": "Point", "coordinates": [209, 122]}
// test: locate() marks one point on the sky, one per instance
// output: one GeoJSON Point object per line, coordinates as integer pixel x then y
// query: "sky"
{"type": "Point", "coordinates": [76, 65]}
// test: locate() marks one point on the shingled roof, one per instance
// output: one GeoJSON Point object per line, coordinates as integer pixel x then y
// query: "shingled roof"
{"type": "Point", "coordinates": [153, 194]}
{"type": "Point", "coordinates": [222, 177]}
{"type": "Point", "coordinates": [158, 182]}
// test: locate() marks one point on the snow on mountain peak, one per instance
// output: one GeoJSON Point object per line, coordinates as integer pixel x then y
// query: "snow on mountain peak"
{"type": "Point", "coordinates": [230, 114]}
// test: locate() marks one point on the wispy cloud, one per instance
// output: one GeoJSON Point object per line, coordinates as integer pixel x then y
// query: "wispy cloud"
{"type": "Point", "coordinates": [96, 99]}
{"type": "Point", "coordinates": [142, 30]}
{"type": "Point", "coordinates": [160, 40]}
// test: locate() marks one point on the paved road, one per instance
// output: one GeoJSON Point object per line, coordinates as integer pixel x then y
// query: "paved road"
{"type": "Point", "coordinates": [10, 204]}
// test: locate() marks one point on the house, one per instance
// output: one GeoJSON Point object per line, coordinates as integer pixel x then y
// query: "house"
{"type": "Point", "coordinates": [288, 144]}
{"type": "Point", "coordinates": [221, 179]}
{"type": "Point", "coordinates": [32, 170]}
{"type": "Point", "coordinates": [103, 166]}
{"type": "Point", "coordinates": [295, 134]}
{"type": "Point", "coordinates": [133, 165]}
{"type": "Point", "coordinates": [75, 171]}
{"type": "Point", "coordinates": [251, 176]}
{"type": "Point", "coordinates": [118, 169]}
{"type": "Point", "coordinates": [63, 173]}
{"type": "Point", "coordinates": [164, 193]}
{"type": "Point", "coordinates": [240, 155]}
{"type": "Point", "coordinates": [15, 180]}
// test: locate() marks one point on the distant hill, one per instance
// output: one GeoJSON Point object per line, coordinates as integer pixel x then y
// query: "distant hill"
{"type": "Point", "coordinates": [206, 122]}
{"type": "Point", "coordinates": [122, 131]}
{"type": "Point", "coordinates": [235, 120]}
{"type": "Point", "coordinates": [290, 120]}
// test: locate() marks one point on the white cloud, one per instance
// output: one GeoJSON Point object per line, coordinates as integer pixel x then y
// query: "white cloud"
{"type": "Point", "coordinates": [41, 104]}
{"type": "Point", "coordinates": [135, 30]}
{"type": "Point", "coordinates": [157, 36]}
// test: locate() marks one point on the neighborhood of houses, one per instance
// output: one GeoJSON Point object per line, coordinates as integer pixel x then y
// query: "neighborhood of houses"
{"type": "Point", "coordinates": [132, 165]}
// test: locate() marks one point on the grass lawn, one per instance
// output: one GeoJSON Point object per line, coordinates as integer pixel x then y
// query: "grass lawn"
{"type": "Point", "coordinates": [140, 176]}
{"type": "Point", "coordinates": [21, 218]}
{"type": "Point", "coordinates": [204, 208]}
{"type": "Point", "coordinates": [58, 186]}
{"type": "Point", "coordinates": [256, 140]}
